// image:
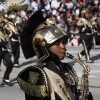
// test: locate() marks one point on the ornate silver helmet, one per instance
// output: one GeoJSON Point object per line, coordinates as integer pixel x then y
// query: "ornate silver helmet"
{"type": "Point", "coordinates": [5, 15]}
{"type": "Point", "coordinates": [35, 38]}
{"type": "Point", "coordinates": [44, 36]}
{"type": "Point", "coordinates": [12, 15]}
{"type": "Point", "coordinates": [84, 10]}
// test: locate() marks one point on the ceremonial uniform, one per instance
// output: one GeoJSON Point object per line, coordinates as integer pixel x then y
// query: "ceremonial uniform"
{"type": "Point", "coordinates": [44, 82]}
{"type": "Point", "coordinates": [49, 79]}
{"type": "Point", "coordinates": [86, 37]}
{"type": "Point", "coordinates": [94, 31]}
{"type": "Point", "coordinates": [5, 56]}
{"type": "Point", "coordinates": [14, 39]}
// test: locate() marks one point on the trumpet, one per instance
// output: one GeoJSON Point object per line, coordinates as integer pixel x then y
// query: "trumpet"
{"type": "Point", "coordinates": [84, 87]}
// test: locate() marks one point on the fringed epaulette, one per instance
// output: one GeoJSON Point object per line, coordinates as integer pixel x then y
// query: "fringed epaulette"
{"type": "Point", "coordinates": [32, 80]}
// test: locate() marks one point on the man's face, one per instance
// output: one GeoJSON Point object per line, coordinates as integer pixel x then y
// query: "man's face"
{"type": "Point", "coordinates": [13, 20]}
{"type": "Point", "coordinates": [87, 14]}
{"type": "Point", "coordinates": [1, 24]}
{"type": "Point", "coordinates": [59, 48]}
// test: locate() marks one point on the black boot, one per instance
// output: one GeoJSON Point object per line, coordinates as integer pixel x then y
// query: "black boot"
{"type": "Point", "coordinates": [90, 61]}
{"type": "Point", "coordinates": [2, 84]}
{"type": "Point", "coordinates": [7, 82]}
{"type": "Point", "coordinates": [79, 56]}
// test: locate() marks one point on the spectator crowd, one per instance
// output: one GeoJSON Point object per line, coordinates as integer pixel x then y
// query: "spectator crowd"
{"type": "Point", "coordinates": [65, 13]}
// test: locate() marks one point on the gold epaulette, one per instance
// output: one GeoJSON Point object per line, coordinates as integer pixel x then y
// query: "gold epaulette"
{"type": "Point", "coordinates": [33, 81]}
{"type": "Point", "coordinates": [80, 24]}
{"type": "Point", "coordinates": [11, 28]}
{"type": "Point", "coordinates": [33, 90]}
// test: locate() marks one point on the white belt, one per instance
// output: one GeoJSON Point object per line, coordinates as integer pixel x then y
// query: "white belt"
{"type": "Point", "coordinates": [14, 40]}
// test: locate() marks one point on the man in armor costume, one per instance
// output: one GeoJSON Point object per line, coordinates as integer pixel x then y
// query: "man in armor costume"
{"type": "Point", "coordinates": [4, 54]}
{"type": "Point", "coordinates": [49, 79]}
{"type": "Point", "coordinates": [14, 38]}
{"type": "Point", "coordinates": [85, 27]}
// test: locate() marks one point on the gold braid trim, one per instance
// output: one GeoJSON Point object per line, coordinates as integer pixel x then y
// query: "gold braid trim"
{"type": "Point", "coordinates": [39, 27]}
{"type": "Point", "coordinates": [2, 36]}
{"type": "Point", "coordinates": [73, 73]}
{"type": "Point", "coordinates": [33, 90]}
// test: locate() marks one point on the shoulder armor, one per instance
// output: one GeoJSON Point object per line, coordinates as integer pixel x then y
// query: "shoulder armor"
{"type": "Point", "coordinates": [71, 76]}
{"type": "Point", "coordinates": [2, 36]}
{"type": "Point", "coordinates": [9, 26]}
{"type": "Point", "coordinates": [80, 23]}
{"type": "Point", "coordinates": [32, 80]}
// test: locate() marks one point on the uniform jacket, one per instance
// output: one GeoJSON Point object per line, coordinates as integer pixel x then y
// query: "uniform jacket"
{"type": "Point", "coordinates": [64, 86]}
{"type": "Point", "coordinates": [13, 33]}
{"type": "Point", "coordinates": [3, 41]}
{"type": "Point", "coordinates": [84, 28]}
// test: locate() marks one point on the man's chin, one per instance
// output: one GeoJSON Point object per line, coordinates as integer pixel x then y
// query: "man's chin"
{"type": "Point", "coordinates": [61, 58]}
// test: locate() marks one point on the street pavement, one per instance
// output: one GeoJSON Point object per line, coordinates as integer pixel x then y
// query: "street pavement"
{"type": "Point", "coordinates": [94, 74]}
{"type": "Point", "coordinates": [14, 93]}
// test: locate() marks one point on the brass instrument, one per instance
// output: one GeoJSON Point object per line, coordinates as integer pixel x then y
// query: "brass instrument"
{"type": "Point", "coordinates": [84, 88]}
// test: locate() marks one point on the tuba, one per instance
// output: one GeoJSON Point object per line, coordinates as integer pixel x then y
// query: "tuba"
{"type": "Point", "coordinates": [84, 87]}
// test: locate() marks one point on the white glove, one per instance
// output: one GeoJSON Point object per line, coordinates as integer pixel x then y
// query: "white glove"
{"type": "Point", "coordinates": [83, 29]}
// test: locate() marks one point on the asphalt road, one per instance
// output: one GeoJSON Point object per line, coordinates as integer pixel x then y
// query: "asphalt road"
{"type": "Point", "coordinates": [14, 93]}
